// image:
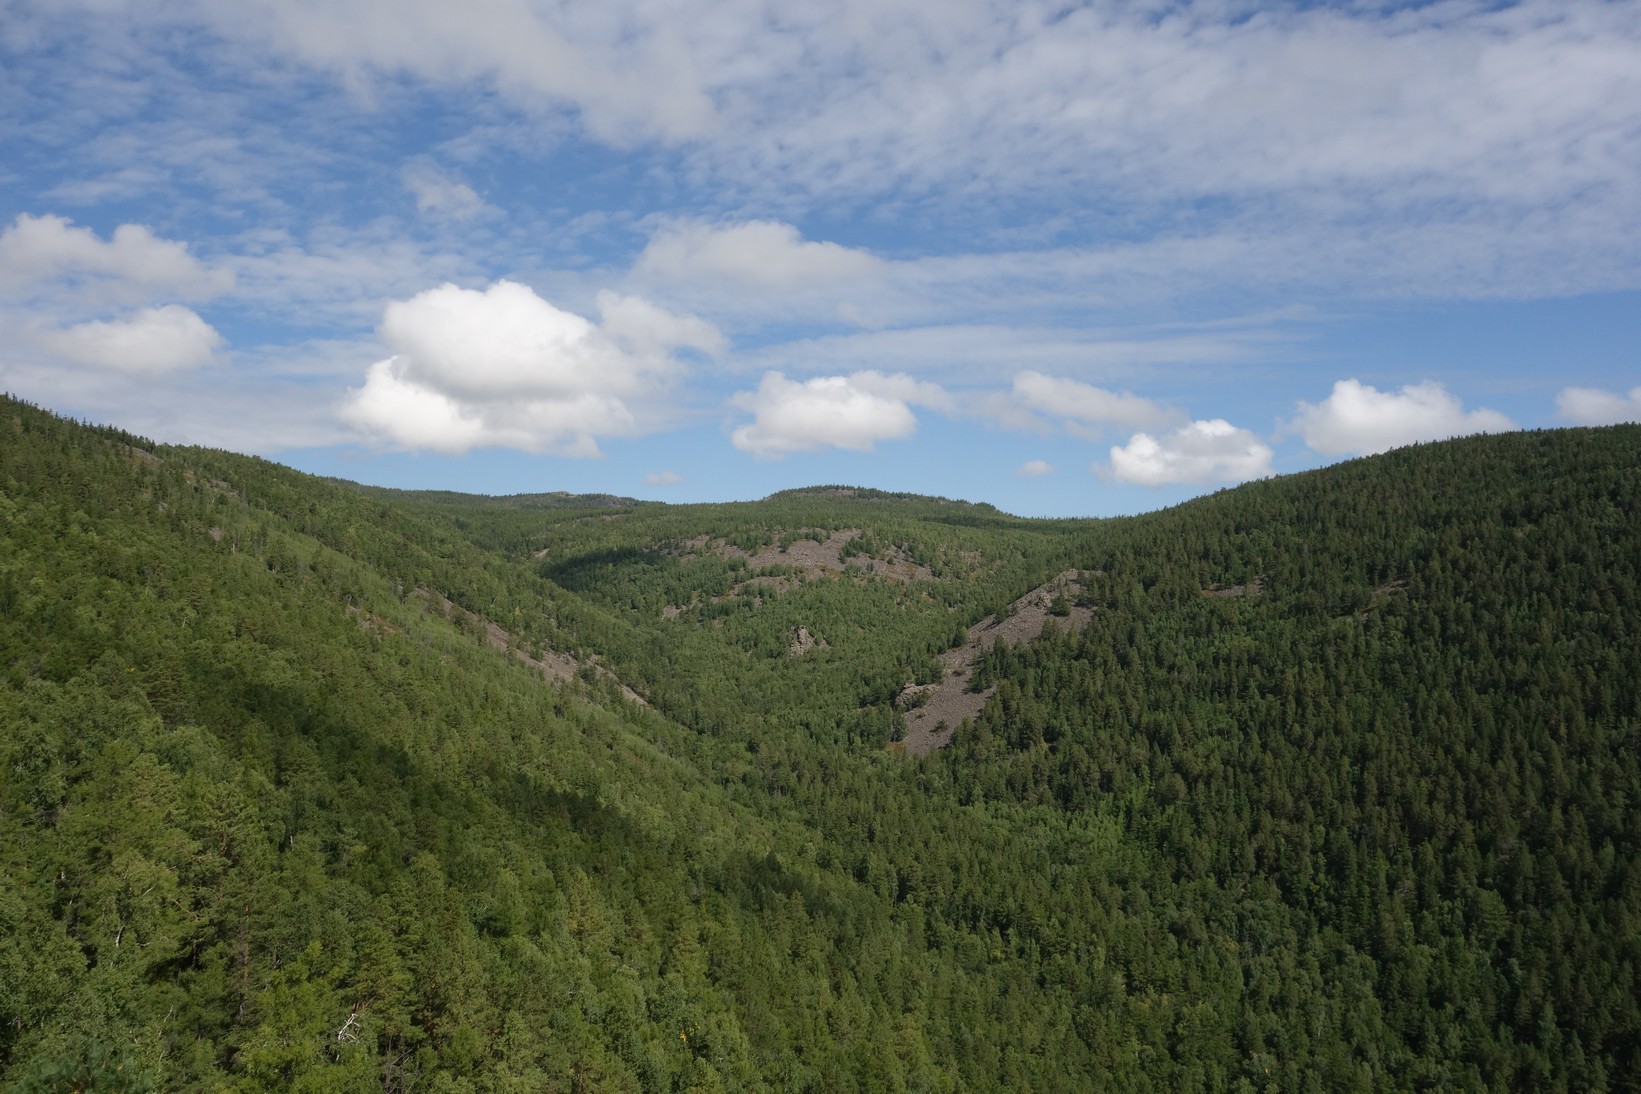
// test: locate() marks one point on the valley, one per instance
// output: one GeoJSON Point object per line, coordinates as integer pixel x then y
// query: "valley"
{"type": "Point", "coordinates": [1331, 781]}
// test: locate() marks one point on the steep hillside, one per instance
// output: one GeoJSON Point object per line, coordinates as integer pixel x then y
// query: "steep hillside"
{"type": "Point", "coordinates": [1328, 782]}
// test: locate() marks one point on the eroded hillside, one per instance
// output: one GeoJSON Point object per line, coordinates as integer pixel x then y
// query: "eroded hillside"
{"type": "Point", "coordinates": [933, 711]}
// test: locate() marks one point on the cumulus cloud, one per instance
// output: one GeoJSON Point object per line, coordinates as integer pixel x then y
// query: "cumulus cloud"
{"type": "Point", "coordinates": [1031, 469]}
{"type": "Point", "coordinates": [504, 367]}
{"type": "Point", "coordinates": [646, 330]}
{"type": "Point", "coordinates": [854, 412]}
{"type": "Point", "coordinates": [396, 408]}
{"type": "Point", "coordinates": [663, 478]}
{"type": "Point", "coordinates": [761, 254]}
{"type": "Point", "coordinates": [43, 255]}
{"type": "Point", "coordinates": [1359, 420]}
{"type": "Point", "coordinates": [1592, 406]}
{"type": "Point", "coordinates": [1088, 405]}
{"type": "Point", "coordinates": [442, 194]}
{"type": "Point", "coordinates": [1203, 453]}
{"type": "Point", "coordinates": [63, 281]}
{"type": "Point", "coordinates": [153, 340]}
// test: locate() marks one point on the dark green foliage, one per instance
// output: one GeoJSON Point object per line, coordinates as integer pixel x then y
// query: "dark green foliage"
{"type": "Point", "coordinates": [86, 1064]}
{"type": "Point", "coordinates": [1418, 741]}
{"type": "Point", "coordinates": [1339, 789]}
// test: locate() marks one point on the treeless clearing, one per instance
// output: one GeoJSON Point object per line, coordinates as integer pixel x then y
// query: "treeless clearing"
{"type": "Point", "coordinates": [947, 702]}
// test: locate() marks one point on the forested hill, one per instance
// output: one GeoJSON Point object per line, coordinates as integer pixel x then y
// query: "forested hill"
{"type": "Point", "coordinates": [1329, 782]}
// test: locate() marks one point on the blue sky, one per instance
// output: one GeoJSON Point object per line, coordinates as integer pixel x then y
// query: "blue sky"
{"type": "Point", "coordinates": [1067, 259]}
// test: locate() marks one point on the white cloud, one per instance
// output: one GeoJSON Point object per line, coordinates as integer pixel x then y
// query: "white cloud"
{"type": "Point", "coordinates": [759, 254]}
{"type": "Point", "coordinates": [337, 277]}
{"type": "Point", "coordinates": [1358, 419]}
{"type": "Point", "coordinates": [1592, 406]}
{"type": "Point", "coordinates": [503, 343]}
{"type": "Point", "coordinates": [63, 281]}
{"type": "Point", "coordinates": [1087, 404]}
{"type": "Point", "coordinates": [626, 71]}
{"type": "Point", "coordinates": [396, 408]}
{"type": "Point", "coordinates": [1409, 105]}
{"type": "Point", "coordinates": [505, 367]}
{"type": "Point", "coordinates": [663, 478]}
{"type": "Point", "coordinates": [1353, 127]}
{"type": "Point", "coordinates": [43, 255]}
{"type": "Point", "coordinates": [1031, 469]}
{"type": "Point", "coordinates": [854, 412]}
{"type": "Point", "coordinates": [978, 353]}
{"type": "Point", "coordinates": [265, 400]}
{"type": "Point", "coordinates": [1440, 150]}
{"type": "Point", "coordinates": [1203, 452]}
{"type": "Point", "coordinates": [647, 330]}
{"type": "Point", "coordinates": [153, 340]}
{"type": "Point", "coordinates": [1030, 172]}
{"type": "Point", "coordinates": [1445, 99]}
{"type": "Point", "coordinates": [442, 194]}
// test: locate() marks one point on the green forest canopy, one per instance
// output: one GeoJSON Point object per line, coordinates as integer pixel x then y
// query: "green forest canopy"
{"type": "Point", "coordinates": [1338, 790]}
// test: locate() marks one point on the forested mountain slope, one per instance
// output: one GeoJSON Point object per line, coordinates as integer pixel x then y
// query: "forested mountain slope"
{"type": "Point", "coordinates": [1336, 788]}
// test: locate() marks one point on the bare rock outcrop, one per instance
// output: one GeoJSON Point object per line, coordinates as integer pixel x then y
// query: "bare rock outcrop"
{"type": "Point", "coordinates": [933, 711]}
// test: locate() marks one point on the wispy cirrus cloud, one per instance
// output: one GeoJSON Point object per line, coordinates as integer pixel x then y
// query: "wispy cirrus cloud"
{"type": "Point", "coordinates": [443, 194]}
{"type": "Point", "coordinates": [1433, 150]}
{"type": "Point", "coordinates": [994, 352]}
{"type": "Point", "coordinates": [1403, 110]}
{"type": "Point", "coordinates": [757, 254]}
{"type": "Point", "coordinates": [630, 74]}
{"type": "Point", "coordinates": [1086, 407]}
{"type": "Point", "coordinates": [1411, 106]}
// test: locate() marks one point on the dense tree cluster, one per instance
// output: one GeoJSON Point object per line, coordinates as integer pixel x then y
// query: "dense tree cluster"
{"type": "Point", "coordinates": [1339, 789]}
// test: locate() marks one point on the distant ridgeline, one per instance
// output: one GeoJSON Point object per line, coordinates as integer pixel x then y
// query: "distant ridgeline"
{"type": "Point", "coordinates": [1328, 782]}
